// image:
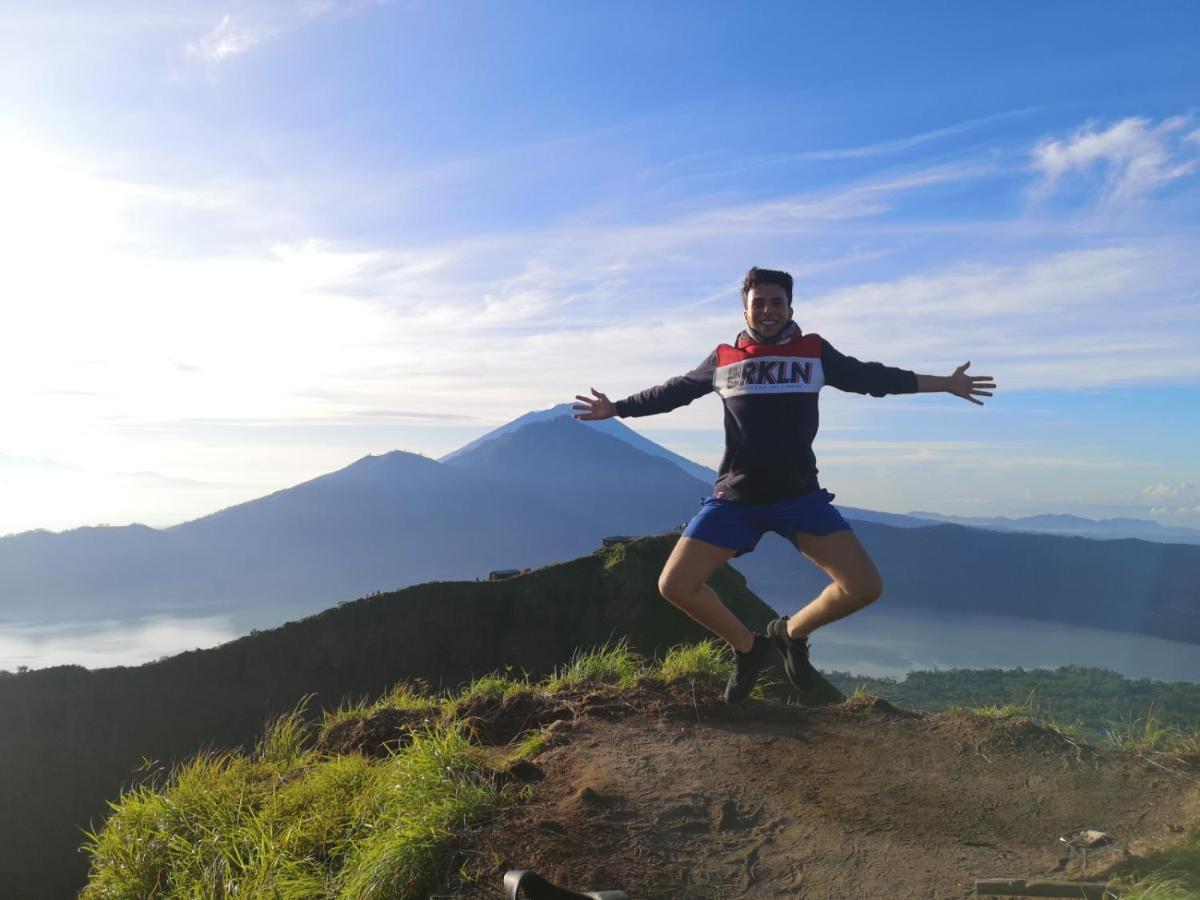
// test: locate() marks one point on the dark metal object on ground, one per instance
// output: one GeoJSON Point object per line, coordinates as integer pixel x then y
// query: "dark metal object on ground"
{"type": "Point", "coordinates": [1019, 887]}
{"type": "Point", "coordinates": [525, 883]}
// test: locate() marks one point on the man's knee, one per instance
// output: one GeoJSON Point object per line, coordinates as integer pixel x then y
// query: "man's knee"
{"type": "Point", "coordinates": [864, 591]}
{"type": "Point", "coordinates": [671, 587]}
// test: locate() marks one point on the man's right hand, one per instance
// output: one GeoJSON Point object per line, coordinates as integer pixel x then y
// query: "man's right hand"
{"type": "Point", "coordinates": [595, 407]}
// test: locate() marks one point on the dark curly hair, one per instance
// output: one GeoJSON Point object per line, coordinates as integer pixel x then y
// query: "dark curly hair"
{"type": "Point", "coordinates": [758, 276]}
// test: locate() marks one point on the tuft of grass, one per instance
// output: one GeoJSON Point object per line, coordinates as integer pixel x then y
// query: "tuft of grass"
{"type": "Point", "coordinates": [417, 806]}
{"type": "Point", "coordinates": [610, 663]}
{"type": "Point", "coordinates": [346, 711]}
{"type": "Point", "coordinates": [315, 817]}
{"type": "Point", "coordinates": [229, 825]}
{"type": "Point", "coordinates": [709, 658]}
{"type": "Point", "coordinates": [284, 740]}
{"type": "Point", "coordinates": [1076, 731]}
{"type": "Point", "coordinates": [496, 686]}
{"type": "Point", "coordinates": [1148, 736]}
{"type": "Point", "coordinates": [1141, 736]}
{"type": "Point", "coordinates": [410, 695]}
{"type": "Point", "coordinates": [194, 838]}
{"type": "Point", "coordinates": [530, 745]}
{"type": "Point", "coordinates": [1008, 711]}
{"type": "Point", "coordinates": [1185, 743]}
{"type": "Point", "coordinates": [1172, 874]}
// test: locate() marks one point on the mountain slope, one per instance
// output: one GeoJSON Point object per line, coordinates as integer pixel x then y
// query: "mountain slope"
{"type": "Point", "coordinates": [611, 427]}
{"type": "Point", "coordinates": [574, 467]}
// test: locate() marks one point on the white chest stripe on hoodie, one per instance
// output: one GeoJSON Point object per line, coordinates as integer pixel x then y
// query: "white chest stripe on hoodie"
{"type": "Point", "coordinates": [770, 375]}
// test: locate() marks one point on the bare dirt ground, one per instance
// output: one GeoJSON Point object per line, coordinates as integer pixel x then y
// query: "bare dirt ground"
{"type": "Point", "coordinates": [666, 792]}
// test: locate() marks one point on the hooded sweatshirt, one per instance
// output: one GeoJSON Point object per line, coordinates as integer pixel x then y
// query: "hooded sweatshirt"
{"type": "Point", "coordinates": [769, 390]}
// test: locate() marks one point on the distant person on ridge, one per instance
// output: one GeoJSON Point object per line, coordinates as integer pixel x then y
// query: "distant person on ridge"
{"type": "Point", "coordinates": [768, 381]}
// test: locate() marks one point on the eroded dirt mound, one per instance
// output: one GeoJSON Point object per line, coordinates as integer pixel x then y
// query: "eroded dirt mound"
{"type": "Point", "coordinates": [376, 735]}
{"type": "Point", "coordinates": [982, 734]}
{"type": "Point", "coordinates": [669, 793]}
{"type": "Point", "coordinates": [496, 720]}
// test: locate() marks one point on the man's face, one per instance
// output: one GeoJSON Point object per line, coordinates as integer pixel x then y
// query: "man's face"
{"type": "Point", "coordinates": [767, 310]}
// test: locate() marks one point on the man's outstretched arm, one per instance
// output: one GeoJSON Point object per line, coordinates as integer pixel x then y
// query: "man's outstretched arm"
{"type": "Point", "coordinates": [960, 384]}
{"type": "Point", "coordinates": [849, 374]}
{"type": "Point", "coordinates": [674, 393]}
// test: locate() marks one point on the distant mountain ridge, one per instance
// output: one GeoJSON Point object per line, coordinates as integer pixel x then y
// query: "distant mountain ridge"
{"type": "Point", "coordinates": [549, 490]}
{"type": "Point", "coordinates": [1057, 523]}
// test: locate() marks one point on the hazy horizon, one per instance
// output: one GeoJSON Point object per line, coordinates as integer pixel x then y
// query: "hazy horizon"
{"type": "Point", "coordinates": [167, 521]}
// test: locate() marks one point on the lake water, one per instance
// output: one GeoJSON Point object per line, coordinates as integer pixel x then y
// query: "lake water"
{"type": "Point", "coordinates": [878, 642]}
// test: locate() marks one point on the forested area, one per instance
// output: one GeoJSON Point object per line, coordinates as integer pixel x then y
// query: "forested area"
{"type": "Point", "coordinates": [1099, 699]}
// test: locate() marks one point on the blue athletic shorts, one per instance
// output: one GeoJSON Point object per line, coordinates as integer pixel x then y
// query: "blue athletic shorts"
{"type": "Point", "coordinates": [738, 526]}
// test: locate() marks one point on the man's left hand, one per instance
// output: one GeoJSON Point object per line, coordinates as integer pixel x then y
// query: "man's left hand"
{"type": "Point", "coordinates": [960, 384]}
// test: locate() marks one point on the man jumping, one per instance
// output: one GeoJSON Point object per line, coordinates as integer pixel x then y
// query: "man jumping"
{"type": "Point", "coordinates": [768, 380]}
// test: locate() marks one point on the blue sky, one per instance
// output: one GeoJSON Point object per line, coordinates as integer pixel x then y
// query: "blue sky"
{"type": "Point", "coordinates": [248, 243]}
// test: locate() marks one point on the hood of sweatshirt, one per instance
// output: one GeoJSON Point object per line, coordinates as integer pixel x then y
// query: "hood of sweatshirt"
{"type": "Point", "coordinates": [750, 336]}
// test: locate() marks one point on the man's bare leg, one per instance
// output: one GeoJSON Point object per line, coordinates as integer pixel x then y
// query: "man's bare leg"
{"type": "Point", "coordinates": [682, 582]}
{"type": "Point", "coordinates": [856, 582]}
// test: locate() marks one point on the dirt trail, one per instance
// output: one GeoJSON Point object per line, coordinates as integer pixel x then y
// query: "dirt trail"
{"type": "Point", "coordinates": [667, 793]}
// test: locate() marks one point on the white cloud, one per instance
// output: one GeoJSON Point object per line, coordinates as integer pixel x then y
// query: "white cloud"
{"type": "Point", "coordinates": [1122, 314]}
{"type": "Point", "coordinates": [898, 145]}
{"type": "Point", "coordinates": [1173, 502]}
{"type": "Point", "coordinates": [265, 20]}
{"type": "Point", "coordinates": [228, 37]}
{"type": "Point", "coordinates": [1136, 157]}
{"type": "Point", "coordinates": [1180, 494]}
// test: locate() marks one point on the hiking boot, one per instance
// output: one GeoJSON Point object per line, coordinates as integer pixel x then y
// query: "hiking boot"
{"type": "Point", "coordinates": [800, 671]}
{"type": "Point", "coordinates": [746, 667]}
